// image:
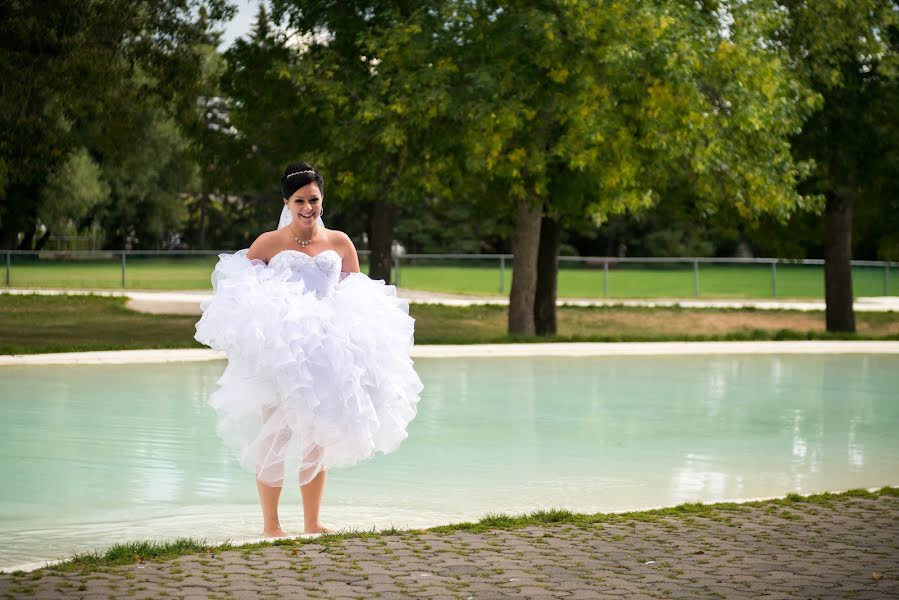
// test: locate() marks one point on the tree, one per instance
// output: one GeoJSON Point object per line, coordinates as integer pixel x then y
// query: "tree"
{"type": "Point", "coordinates": [584, 110]}
{"type": "Point", "coordinates": [379, 77]}
{"type": "Point", "coordinates": [211, 139]}
{"type": "Point", "coordinates": [71, 195]}
{"type": "Point", "coordinates": [67, 74]}
{"type": "Point", "coordinates": [847, 52]}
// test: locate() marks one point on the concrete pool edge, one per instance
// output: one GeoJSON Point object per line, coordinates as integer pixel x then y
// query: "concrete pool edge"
{"type": "Point", "coordinates": [561, 349]}
{"type": "Point", "coordinates": [880, 490]}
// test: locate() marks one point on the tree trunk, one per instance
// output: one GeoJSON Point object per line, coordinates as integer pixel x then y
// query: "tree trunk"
{"type": "Point", "coordinates": [19, 215]}
{"type": "Point", "coordinates": [202, 240]}
{"type": "Point", "coordinates": [524, 268]}
{"type": "Point", "coordinates": [27, 242]}
{"type": "Point", "coordinates": [547, 277]}
{"type": "Point", "coordinates": [838, 297]}
{"type": "Point", "coordinates": [380, 256]}
{"type": "Point", "coordinates": [43, 241]}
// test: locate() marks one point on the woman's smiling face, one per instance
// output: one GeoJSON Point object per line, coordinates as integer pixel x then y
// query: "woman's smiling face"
{"type": "Point", "coordinates": [305, 204]}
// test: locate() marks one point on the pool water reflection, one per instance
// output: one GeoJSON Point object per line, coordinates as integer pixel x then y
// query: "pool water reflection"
{"type": "Point", "coordinates": [94, 455]}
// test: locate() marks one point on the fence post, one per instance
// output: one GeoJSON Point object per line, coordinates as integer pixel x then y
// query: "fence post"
{"type": "Point", "coordinates": [7, 269]}
{"type": "Point", "coordinates": [123, 269]}
{"type": "Point", "coordinates": [886, 278]}
{"type": "Point", "coordinates": [695, 277]}
{"type": "Point", "coordinates": [774, 278]}
{"type": "Point", "coordinates": [396, 278]}
{"type": "Point", "coordinates": [605, 278]}
{"type": "Point", "coordinates": [502, 274]}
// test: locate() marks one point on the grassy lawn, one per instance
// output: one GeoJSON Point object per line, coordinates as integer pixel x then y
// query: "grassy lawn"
{"type": "Point", "coordinates": [475, 277]}
{"type": "Point", "coordinates": [662, 281]}
{"type": "Point", "coordinates": [36, 324]}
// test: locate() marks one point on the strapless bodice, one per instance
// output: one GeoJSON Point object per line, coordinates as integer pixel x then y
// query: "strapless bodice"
{"type": "Point", "coordinates": [320, 273]}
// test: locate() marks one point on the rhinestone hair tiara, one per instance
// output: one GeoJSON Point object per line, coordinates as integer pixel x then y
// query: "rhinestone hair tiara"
{"type": "Point", "coordinates": [312, 171]}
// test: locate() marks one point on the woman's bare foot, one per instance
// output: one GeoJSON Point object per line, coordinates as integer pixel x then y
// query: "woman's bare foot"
{"type": "Point", "coordinates": [318, 529]}
{"type": "Point", "coordinates": [274, 533]}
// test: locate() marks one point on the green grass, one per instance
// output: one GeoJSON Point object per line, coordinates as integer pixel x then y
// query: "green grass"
{"type": "Point", "coordinates": [190, 272]}
{"type": "Point", "coordinates": [663, 281]}
{"type": "Point", "coordinates": [31, 324]}
{"type": "Point", "coordinates": [480, 277]}
{"type": "Point", "coordinates": [437, 324]}
{"type": "Point", "coordinates": [37, 324]}
{"type": "Point", "coordinates": [142, 551]}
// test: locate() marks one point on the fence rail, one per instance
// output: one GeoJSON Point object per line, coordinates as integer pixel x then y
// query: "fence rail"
{"type": "Point", "coordinates": [502, 261]}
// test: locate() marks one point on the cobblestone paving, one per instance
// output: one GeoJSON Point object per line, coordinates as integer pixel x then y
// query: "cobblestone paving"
{"type": "Point", "coordinates": [849, 549]}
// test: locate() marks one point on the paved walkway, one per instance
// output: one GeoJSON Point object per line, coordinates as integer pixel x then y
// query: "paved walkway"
{"type": "Point", "coordinates": [847, 549]}
{"type": "Point", "coordinates": [188, 302]}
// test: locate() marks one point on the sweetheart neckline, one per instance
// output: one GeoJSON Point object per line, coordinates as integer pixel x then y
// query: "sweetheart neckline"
{"type": "Point", "coordinates": [309, 256]}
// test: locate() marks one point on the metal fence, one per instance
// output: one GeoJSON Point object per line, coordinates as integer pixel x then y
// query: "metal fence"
{"type": "Point", "coordinates": [606, 263]}
{"type": "Point", "coordinates": [501, 262]}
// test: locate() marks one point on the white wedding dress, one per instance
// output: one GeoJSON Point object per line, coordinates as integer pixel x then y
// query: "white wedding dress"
{"type": "Point", "coordinates": [319, 373]}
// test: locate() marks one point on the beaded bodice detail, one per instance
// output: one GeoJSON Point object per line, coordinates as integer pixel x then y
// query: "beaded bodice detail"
{"type": "Point", "coordinates": [320, 273]}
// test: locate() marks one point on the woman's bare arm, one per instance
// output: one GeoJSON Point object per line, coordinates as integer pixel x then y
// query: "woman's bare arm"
{"type": "Point", "coordinates": [261, 248]}
{"type": "Point", "coordinates": [349, 255]}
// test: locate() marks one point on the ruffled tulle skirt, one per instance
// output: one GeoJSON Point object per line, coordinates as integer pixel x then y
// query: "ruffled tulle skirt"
{"type": "Point", "coordinates": [314, 381]}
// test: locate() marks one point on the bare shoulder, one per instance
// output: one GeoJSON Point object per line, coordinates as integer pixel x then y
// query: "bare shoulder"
{"type": "Point", "coordinates": [347, 250]}
{"type": "Point", "coordinates": [340, 240]}
{"type": "Point", "coordinates": [265, 246]}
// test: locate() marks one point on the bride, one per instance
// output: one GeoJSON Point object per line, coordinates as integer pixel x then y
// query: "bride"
{"type": "Point", "coordinates": [319, 373]}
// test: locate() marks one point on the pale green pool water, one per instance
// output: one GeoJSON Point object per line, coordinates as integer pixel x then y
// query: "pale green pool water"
{"type": "Point", "coordinates": [94, 455]}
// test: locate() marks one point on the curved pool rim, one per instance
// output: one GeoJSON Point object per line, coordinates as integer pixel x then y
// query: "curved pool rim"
{"type": "Point", "coordinates": [575, 349]}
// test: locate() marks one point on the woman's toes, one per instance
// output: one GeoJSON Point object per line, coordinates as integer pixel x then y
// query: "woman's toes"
{"type": "Point", "coordinates": [319, 529]}
{"type": "Point", "coordinates": [274, 533]}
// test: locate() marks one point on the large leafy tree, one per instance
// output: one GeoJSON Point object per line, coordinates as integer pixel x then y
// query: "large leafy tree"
{"type": "Point", "coordinates": [76, 71]}
{"type": "Point", "coordinates": [378, 79]}
{"type": "Point", "coordinates": [71, 196]}
{"type": "Point", "coordinates": [211, 140]}
{"type": "Point", "coordinates": [847, 52]}
{"type": "Point", "coordinates": [581, 110]}
{"type": "Point", "coordinates": [275, 119]}
{"type": "Point", "coordinates": [145, 207]}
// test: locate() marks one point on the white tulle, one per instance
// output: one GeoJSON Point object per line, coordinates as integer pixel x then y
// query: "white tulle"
{"type": "Point", "coordinates": [319, 373]}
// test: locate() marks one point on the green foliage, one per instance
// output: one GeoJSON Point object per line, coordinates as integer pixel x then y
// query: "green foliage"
{"type": "Point", "coordinates": [73, 192]}
{"type": "Point", "coordinates": [584, 110]}
{"type": "Point", "coordinates": [600, 108]}
{"type": "Point", "coordinates": [450, 224]}
{"type": "Point", "coordinates": [450, 111]}
{"type": "Point", "coordinates": [846, 52]}
{"type": "Point", "coordinates": [128, 553]}
{"type": "Point", "coordinates": [73, 71]}
{"type": "Point", "coordinates": [266, 109]}
{"type": "Point", "coordinates": [378, 91]}
{"type": "Point", "coordinates": [145, 208]}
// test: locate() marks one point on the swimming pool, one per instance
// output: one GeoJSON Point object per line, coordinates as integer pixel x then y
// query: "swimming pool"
{"type": "Point", "coordinates": [94, 455]}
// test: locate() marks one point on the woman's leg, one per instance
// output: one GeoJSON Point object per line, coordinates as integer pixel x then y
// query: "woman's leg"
{"type": "Point", "coordinates": [268, 498]}
{"type": "Point", "coordinates": [270, 465]}
{"type": "Point", "coordinates": [313, 491]}
{"type": "Point", "coordinates": [312, 494]}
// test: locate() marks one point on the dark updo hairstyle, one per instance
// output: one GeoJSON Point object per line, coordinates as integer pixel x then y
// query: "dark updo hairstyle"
{"type": "Point", "coordinates": [297, 175]}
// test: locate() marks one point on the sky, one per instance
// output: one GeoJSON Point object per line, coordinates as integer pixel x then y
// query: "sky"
{"type": "Point", "coordinates": [242, 22]}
